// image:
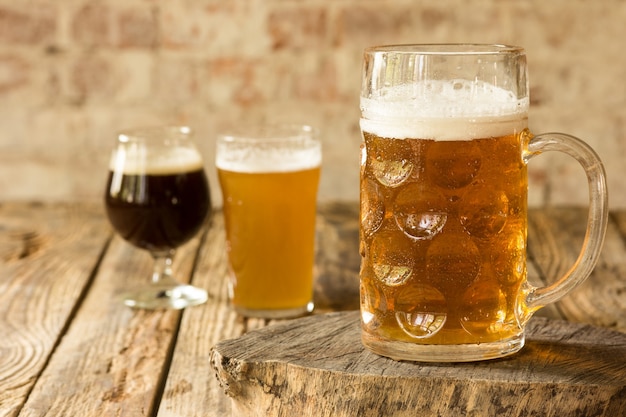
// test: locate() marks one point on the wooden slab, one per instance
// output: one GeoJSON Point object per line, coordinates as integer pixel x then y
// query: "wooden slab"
{"type": "Point", "coordinates": [111, 360]}
{"type": "Point", "coordinates": [191, 389]}
{"type": "Point", "coordinates": [316, 366]}
{"type": "Point", "coordinates": [47, 255]}
{"type": "Point", "coordinates": [555, 239]}
{"type": "Point", "coordinates": [337, 258]}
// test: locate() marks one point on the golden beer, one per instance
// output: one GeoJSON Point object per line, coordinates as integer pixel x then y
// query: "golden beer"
{"type": "Point", "coordinates": [443, 230]}
{"type": "Point", "coordinates": [269, 177]}
{"type": "Point", "coordinates": [443, 202]}
{"type": "Point", "coordinates": [270, 228]}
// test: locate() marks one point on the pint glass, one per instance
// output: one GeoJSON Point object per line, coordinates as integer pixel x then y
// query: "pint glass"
{"type": "Point", "coordinates": [269, 178]}
{"type": "Point", "coordinates": [443, 192]}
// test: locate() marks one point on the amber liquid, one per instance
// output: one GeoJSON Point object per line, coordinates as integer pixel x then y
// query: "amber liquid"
{"type": "Point", "coordinates": [270, 231]}
{"type": "Point", "coordinates": [158, 211]}
{"type": "Point", "coordinates": [443, 232]}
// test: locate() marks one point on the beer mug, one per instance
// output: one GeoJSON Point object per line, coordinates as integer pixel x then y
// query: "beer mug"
{"type": "Point", "coordinates": [443, 202]}
{"type": "Point", "coordinates": [269, 177]}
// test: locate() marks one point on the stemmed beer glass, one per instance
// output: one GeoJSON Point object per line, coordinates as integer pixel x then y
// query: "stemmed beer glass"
{"type": "Point", "coordinates": [157, 198]}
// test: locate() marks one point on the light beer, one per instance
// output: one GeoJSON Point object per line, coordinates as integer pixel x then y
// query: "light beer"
{"type": "Point", "coordinates": [443, 224]}
{"type": "Point", "coordinates": [443, 202]}
{"type": "Point", "coordinates": [269, 212]}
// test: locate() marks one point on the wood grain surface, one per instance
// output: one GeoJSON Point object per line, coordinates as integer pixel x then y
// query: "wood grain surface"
{"type": "Point", "coordinates": [48, 255]}
{"type": "Point", "coordinates": [68, 347]}
{"type": "Point", "coordinates": [316, 366]}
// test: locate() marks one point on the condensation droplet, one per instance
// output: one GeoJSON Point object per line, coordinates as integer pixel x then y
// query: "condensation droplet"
{"type": "Point", "coordinates": [421, 225]}
{"type": "Point", "coordinates": [373, 304]}
{"type": "Point", "coordinates": [391, 173]}
{"type": "Point", "coordinates": [372, 207]}
{"type": "Point", "coordinates": [419, 211]}
{"type": "Point", "coordinates": [420, 325]}
{"type": "Point", "coordinates": [421, 310]}
{"type": "Point", "coordinates": [392, 260]}
{"type": "Point", "coordinates": [483, 211]}
{"type": "Point", "coordinates": [509, 259]}
{"type": "Point", "coordinates": [451, 165]}
{"type": "Point", "coordinates": [484, 308]}
{"type": "Point", "coordinates": [452, 261]}
{"type": "Point", "coordinates": [392, 275]}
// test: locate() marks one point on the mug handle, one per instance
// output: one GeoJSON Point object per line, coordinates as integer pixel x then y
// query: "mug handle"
{"type": "Point", "coordinates": [537, 297]}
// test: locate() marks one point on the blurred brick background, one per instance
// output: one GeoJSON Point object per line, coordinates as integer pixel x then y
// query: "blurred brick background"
{"type": "Point", "coordinates": [73, 72]}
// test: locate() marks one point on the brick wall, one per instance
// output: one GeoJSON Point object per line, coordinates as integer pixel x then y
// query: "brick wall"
{"type": "Point", "coordinates": [72, 72]}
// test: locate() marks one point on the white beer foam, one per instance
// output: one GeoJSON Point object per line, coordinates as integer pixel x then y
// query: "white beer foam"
{"type": "Point", "coordinates": [443, 110]}
{"type": "Point", "coordinates": [135, 160]}
{"type": "Point", "coordinates": [260, 159]}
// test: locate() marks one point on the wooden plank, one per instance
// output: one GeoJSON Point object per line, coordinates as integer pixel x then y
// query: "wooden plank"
{"type": "Point", "coordinates": [595, 301]}
{"type": "Point", "coordinates": [601, 299]}
{"type": "Point", "coordinates": [47, 255]}
{"type": "Point", "coordinates": [545, 258]}
{"type": "Point", "coordinates": [552, 255]}
{"type": "Point", "coordinates": [316, 366]}
{"type": "Point", "coordinates": [337, 257]}
{"type": "Point", "coordinates": [113, 359]}
{"type": "Point", "coordinates": [619, 218]}
{"type": "Point", "coordinates": [337, 287]}
{"type": "Point", "coordinates": [191, 388]}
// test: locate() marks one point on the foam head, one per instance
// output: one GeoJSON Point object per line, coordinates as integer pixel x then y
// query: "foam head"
{"type": "Point", "coordinates": [157, 150]}
{"type": "Point", "coordinates": [270, 149]}
{"type": "Point", "coordinates": [443, 110]}
{"type": "Point", "coordinates": [136, 159]}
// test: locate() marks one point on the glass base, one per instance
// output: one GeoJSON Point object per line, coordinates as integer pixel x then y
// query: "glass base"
{"type": "Point", "coordinates": [403, 351]}
{"type": "Point", "coordinates": [173, 296]}
{"type": "Point", "coordinates": [275, 313]}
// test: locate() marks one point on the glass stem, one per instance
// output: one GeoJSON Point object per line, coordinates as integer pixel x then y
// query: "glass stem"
{"type": "Point", "coordinates": [162, 266]}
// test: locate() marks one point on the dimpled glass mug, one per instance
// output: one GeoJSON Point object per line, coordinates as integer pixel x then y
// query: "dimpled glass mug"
{"type": "Point", "coordinates": [443, 191]}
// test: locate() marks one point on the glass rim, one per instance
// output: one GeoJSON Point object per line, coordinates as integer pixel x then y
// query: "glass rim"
{"type": "Point", "coordinates": [268, 133]}
{"type": "Point", "coordinates": [148, 133]}
{"type": "Point", "coordinates": [446, 49]}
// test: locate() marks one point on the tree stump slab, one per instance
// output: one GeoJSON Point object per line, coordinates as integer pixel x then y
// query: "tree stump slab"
{"type": "Point", "coordinates": [317, 366]}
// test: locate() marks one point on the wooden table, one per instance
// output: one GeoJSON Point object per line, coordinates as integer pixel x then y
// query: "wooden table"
{"type": "Point", "coordinates": [69, 348]}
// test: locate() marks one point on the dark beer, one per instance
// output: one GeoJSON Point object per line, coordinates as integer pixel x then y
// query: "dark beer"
{"type": "Point", "coordinates": [158, 211]}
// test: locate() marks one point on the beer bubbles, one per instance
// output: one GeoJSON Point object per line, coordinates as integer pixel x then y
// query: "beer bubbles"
{"type": "Point", "coordinates": [435, 212]}
{"type": "Point", "coordinates": [444, 202]}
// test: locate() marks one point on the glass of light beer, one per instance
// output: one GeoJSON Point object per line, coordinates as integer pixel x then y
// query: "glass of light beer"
{"type": "Point", "coordinates": [443, 202]}
{"type": "Point", "coordinates": [157, 198]}
{"type": "Point", "coordinates": [269, 177]}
